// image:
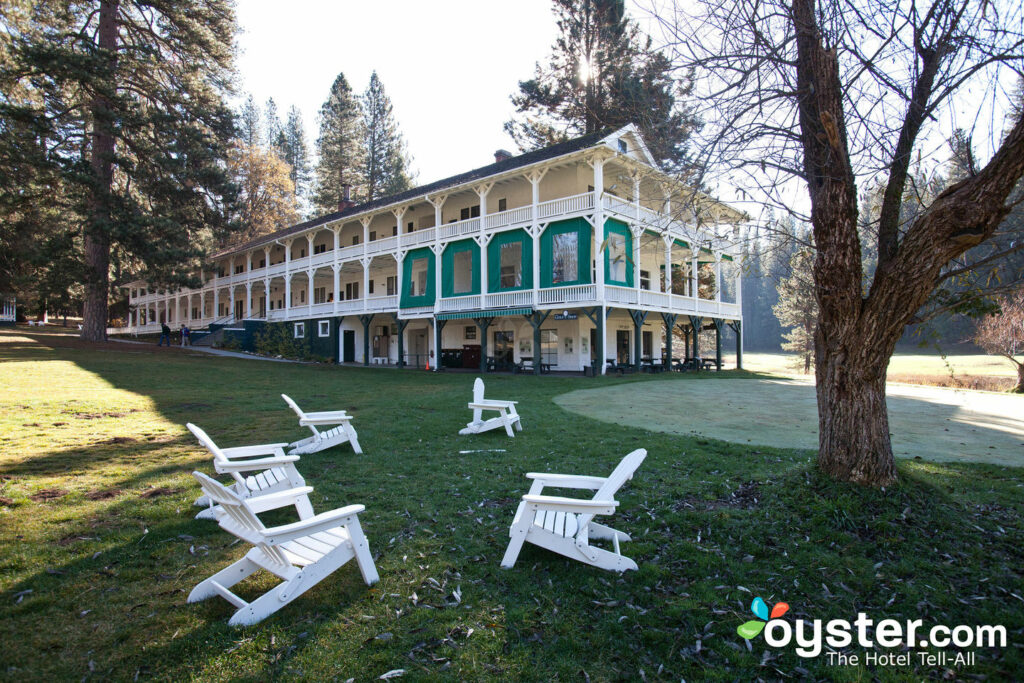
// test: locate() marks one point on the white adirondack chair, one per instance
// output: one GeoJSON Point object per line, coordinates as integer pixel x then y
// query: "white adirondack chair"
{"type": "Point", "coordinates": [507, 415]}
{"type": "Point", "coordinates": [270, 474]}
{"type": "Point", "coordinates": [341, 432]}
{"type": "Point", "coordinates": [302, 553]}
{"type": "Point", "coordinates": [564, 525]}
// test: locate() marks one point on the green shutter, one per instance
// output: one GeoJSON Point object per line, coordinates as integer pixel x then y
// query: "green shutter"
{"type": "Point", "coordinates": [448, 268]}
{"type": "Point", "coordinates": [581, 228]}
{"type": "Point", "coordinates": [494, 260]}
{"type": "Point", "coordinates": [427, 299]}
{"type": "Point", "coordinates": [612, 226]}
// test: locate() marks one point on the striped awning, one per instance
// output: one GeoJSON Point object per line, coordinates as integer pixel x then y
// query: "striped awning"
{"type": "Point", "coordinates": [493, 313]}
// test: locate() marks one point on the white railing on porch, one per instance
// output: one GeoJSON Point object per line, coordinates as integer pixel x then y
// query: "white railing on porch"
{"type": "Point", "coordinates": [567, 295]}
{"type": "Point", "coordinates": [509, 299]}
{"type": "Point", "coordinates": [656, 299]}
{"type": "Point", "coordinates": [620, 295]}
{"type": "Point", "coordinates": [469, 226]}
{"type": "Point", "coordinates": [418, 237]}
{"type": "Point", "coordinates": [522, 214]}
{"type": "Point", "coordinates": [574, 204]}
{"type": "Point", "coordinates": [460, 303]}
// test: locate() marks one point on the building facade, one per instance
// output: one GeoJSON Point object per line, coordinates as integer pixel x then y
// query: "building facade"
{"type": "Point", "coordinates": [570, 257]}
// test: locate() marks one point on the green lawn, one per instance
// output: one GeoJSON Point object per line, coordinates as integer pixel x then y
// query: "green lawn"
{"type": "Point", "coordinates": [100, 548]}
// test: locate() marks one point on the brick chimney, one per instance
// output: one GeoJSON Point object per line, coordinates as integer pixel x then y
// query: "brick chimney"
{"type": "Point", "coordinates": [346, 201]}
{"type": "Point", "coordinates": [502, 155]}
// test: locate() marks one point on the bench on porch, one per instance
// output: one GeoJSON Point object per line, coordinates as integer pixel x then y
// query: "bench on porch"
{"type": "Point", "coordinates": [526, 365]}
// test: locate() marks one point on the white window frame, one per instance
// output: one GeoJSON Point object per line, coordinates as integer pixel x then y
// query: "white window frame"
{"type": "Point", "coordinates": [323, 328]}
{"type": "Point", "coordinates": [299, 331]}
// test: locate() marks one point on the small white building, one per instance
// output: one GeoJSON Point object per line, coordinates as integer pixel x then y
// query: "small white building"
{"type": "Point", "coordinates": [8, 310]}
{"type": "Point", "coordinates": [583, 253]}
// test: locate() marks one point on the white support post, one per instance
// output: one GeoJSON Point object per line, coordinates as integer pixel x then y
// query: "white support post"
{"type": "Point", "coordinates": [231, 302]}
{"type": "Point", "coordinates": [216, 302]}
{"type": "Point", "coordinates": [337, 285]}
{"type": "Point", "coordinates": [636, 196]}
{"type": "Point", "coordinates": [637, 232]}
{"type": "Point", "coordinates": [309, 249]}
{"type": "Point", "coordinates": [248, 263]}
{"type": "Point", "coordinates": [266, 257]}
{"type": "Point", "coordinates": [599, 273]}
{"type": "Point", "coordinates": [604, 339]}
{"type": "Point", "coordinates": [668, 265]}
{"type": "Point", "coordinates": [309, 291]}
{"type": "Point", "coordinates": [399, 262]}
{"type": "Point", "coordinates": [248, 299]}
{"type": "Point", "coordinates": [694, 264]}
{"type": "Point", "coordinates": [366, 261]}
{"type": "Point", "coordinates": [535, 179]}
{"type": "Point", "coordinates": [266, 297]}
{"type": "Point", "coordinates": [287, 293]}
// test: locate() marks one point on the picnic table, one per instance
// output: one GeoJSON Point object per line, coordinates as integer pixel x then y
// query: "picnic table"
{"type": "Point", "coordinates": [526, 364]}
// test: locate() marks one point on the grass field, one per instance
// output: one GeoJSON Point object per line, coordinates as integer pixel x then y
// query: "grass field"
{"type": "Point", "coordinates": [960, 370]}
{"type": "Point", "coordinates": [100, 548]}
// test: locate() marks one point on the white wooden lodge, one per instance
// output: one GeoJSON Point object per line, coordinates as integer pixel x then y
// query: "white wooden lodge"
{"type": "Point", "coordinates": [563, 251]}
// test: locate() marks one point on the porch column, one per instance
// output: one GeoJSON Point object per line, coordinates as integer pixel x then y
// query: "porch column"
{"type": "Point", "coordinates": [535, 179]}
{"type": "Point", "coordinates": [216, 302]}
{"type": "Point", "coordinates": [266, 257]}
{"type": "Point", "coordinates": [668, 265]}
{"type": "Point", "coordinates": [231, 301]}
{"type": "Point", "coordinates": [718, 341]}
{"type": "Point", "coordinates": [670, 326]}
{"type": "Point", "coordinates": [718, 278]}
{"type": "Point", "coordinates": [601, 339]}
{"type": "Point", "coordinates": [366, 320]}
{"type": "Point", "coordinates": [695, 323]}
{"type": "Point", "coordinates": [309, 250]}
{"type": "Point", "coordinates": [402, 324]}
{"type": "Point", "coordinates": [366, 261]}
{"type": "Point", "coordinates": [483, 324]}
{"type": "Point", "coordinates": [248, 299]}
{"type": "Point", "coordinates": [287, 293]}
{"type": "Point", "coordinates": [694, 265]}
{"type": "Point", "coordinates": [309, 292]}
{"type": "Point", "coordinates": [639, 318]}
{"type": "Point", "coordinates": [265, 313]}
{"type": "Point", "coordinates": [737, 327]}
{"type": "Point", "coordinates": [598, 239]}
{"type": "Point", "coordinates": [438, 330]}
{"type": "Point", "coordinates": [637, 235]}
{"type": "Point", "coordinates": [337, 285]}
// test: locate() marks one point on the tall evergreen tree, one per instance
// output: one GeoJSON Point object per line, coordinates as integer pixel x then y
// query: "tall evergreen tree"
{"type": "Point", "coordinates": [385, 168]}
{"type": "Point", "coordinates": [296, 153]}
{"type": "Point", "coordinates": [250, 123]}
{"type": "Point", "coordinates": [128, 97]}
{"type": "Point", "coordinates": [339, 148]}
{"type": "Point", "coordinates": [274, 129]}
{"type": "Point", "coordinates": [603, 73]}
{"type": "Point", "coordinates": [797, 308]}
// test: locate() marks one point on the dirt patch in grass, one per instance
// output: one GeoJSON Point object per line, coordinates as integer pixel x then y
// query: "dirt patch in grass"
{"type": "Point", "coordinates": [975, 382]}
{"type": "Point", "coordinates": [93, 416]}
{"type": "Point", "coordinates": [105, 494]}
{"type": "Point", "coordinates": [74, 538]}
{"type": "Point", "coordinates": [747, 496]}
{"type": "Point", "coordinates": [47, 494]}
{"type": "Point", "coordinates": [7, 502]}
{"type": "Point", "coordinates": [119, 439]}
{"type": "Point", "coordinates": [159, 491]}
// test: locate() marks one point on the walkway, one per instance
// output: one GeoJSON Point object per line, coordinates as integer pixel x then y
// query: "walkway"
{"type": "Point", "coordinates": [943, 425]}
{"type": "Point", "coordinates": [215, 352]}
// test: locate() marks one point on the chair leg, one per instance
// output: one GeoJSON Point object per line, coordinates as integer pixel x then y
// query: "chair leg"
{"type": "Point", "coordinates": [304, 507]}
{"type": "Point", "coordinates": [361, 547]}
{"type": "Point", "coordinates": [506, 421]}
{"type": "Point", "coordinates": [226, 577]}
{"type": "Point", "coordinates": [517, 535]}
{"type": "Point", "coordinates": [353, 438]}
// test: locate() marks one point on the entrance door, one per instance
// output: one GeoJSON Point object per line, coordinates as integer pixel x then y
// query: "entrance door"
{"type": "Point", "coordinates": [418, 346]}
{"type": "Point", "coordinates": [622, 346]}
{"type": "Point", "coordinates": [239, 308]}
{"type": "Point", "coordinates": [504, 349]}
{"type": "Point", "coordinates": [348, 346]}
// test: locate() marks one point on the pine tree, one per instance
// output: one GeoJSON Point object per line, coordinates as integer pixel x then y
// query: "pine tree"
{"type": "Point", "coordinates": [603, 73]}
{"type": "Point", "coordinates": [296, 154]}
{"type": "Point", "coordinates": [798, 308]}
{"type": "Point", "coordinates": [250, 123]}
{"type": "Point", "coordinates": [339, 148]}
{"type": "Point", "coordinates": [385, 168]}
{"type": "Point", "coordinates": [128, 97]}
{"type": "Point", "coordinates": [274, 130]}
{"type": "Point", "coordinates": [266, 199]}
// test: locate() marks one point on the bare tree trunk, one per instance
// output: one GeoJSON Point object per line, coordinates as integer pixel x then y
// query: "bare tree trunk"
{"type": "Point", "coordinates": [96, 241]}
{"type": "Point", "coordinates": [1019, 389]}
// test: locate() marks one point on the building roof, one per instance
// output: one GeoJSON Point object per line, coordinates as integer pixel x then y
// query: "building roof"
{"type": "Point", "coordinates": [536, 156]}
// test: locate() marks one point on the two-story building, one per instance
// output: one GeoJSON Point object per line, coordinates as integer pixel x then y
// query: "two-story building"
{"type": "Point", "coordinates": [575, 254]}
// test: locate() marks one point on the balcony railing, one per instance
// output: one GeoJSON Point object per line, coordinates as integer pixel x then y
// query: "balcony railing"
{"type": "Point", "coordinates": [567, 295]}
{"type": "Point", "coordinates": [574, 204]}
{"type": "Point", "coordinates": [522, 214]}
{"type": "Point", "coordinates": [460, 303]}
{"type": "Point", "coordinates": [469, 226]}
{"type": "Point", "coordinates": [509, 299]}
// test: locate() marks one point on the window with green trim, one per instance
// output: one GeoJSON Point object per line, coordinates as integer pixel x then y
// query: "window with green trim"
{"type": "Point", "coordinates": [462, 272]}
{"type": "Point", "coordinates": [419, 268]}
{"type": "Point", "coordinates": [618, 254]}
{"type": "Point", "coordinates": [565, 251]}
{"type": "Point", "coordinates": [616, 257]}
{"type": "Point", "coordinates": [510, 260]}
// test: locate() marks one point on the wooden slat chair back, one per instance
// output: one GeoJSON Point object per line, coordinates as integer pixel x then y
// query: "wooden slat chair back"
{"type": "Point", "coordinates": [566, 525]}
{"type": "Point", "coordinates": [302, 553]}
{"type": "Point", "coordinates": [508, 416]}
{"type": "Point", "coordinates": [340, 430]}
{"type": "Point", "coordinates": [253, 473]}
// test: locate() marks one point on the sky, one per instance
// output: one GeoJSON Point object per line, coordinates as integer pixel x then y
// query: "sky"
{"type": "Point", "coordinates": [449, 67]}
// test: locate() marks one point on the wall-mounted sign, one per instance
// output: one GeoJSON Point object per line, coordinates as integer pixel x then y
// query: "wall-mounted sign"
{"type": "Point", "coordinates": [566, 316]}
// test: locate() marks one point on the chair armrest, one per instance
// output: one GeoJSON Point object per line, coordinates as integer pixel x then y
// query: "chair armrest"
{"type": "Point", "coordinates": [254, 464]}
{"type": "Point", "coordinates": [250, 451]}
{"type": "Point", "coordinates": [326, 415]}
{"type": "Point", "coordinates": [322, 522]}
{"type": "Point", "coordinates": [567, 481]}
{"type": "Point", "coordinates": [577, 505]}
{"type": "Point", "coordinates": [278, 499]}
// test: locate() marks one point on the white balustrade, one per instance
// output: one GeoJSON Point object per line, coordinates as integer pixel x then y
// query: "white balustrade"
{"type": "Point", "coordinates": [522, 214]}
{"type": "Point", "coordinates": [574, 204]}
{"type": "Point", "coordinates": [620, 295]}
{"type": "Point", "coordinates": [656, 299]}
{"type": "Point", "coordinates": [510, 299]}
{"type": "Point", "coordinates": [567, 295]}
{"type": "Point", "coordinates": [468, 226]}
{"type": "Point", "coordinates": [460, 303]}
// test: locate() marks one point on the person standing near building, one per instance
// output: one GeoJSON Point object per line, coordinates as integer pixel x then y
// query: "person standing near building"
{"type": "Point", "coordinates": [165, 335]}
{"type": "Point", "coordinates": [186, 335]}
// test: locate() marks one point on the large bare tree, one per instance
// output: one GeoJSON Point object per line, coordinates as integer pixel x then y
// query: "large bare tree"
{"type": "Point", "coordinates": [823, 94]}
